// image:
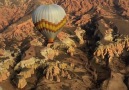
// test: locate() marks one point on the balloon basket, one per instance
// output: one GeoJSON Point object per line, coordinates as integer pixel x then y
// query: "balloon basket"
{"type": "Point", "coordinates": [50, 40]}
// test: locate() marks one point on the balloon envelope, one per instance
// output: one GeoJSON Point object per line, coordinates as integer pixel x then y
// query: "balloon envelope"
{"type": "Point", "coordinates": [49, 19]}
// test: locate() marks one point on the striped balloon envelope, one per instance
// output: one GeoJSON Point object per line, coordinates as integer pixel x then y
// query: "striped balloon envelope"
{"type": "Point", "coordinates": [49, 20]}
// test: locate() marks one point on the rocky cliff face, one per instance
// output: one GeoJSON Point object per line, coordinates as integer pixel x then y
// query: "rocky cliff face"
{"type": "Point", "coordinates": [90, 53]}
{"type": "Point", "coordinates": [79, 11]}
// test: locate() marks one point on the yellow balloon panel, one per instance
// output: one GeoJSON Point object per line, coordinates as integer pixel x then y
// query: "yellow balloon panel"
{"type": "Point", "coordinates": [40, 25]}
{"type": "Point", "coordinates": [50, 26]}
{"type": "Point", "coordinates": [46, 25]}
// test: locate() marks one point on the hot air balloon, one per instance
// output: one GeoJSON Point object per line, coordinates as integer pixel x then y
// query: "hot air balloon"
{"type": "Point", "coordinates": [49, 20]}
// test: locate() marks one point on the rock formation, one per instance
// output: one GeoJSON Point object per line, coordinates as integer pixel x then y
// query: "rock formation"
{"type": "Point", "coordinates": [27, 68]}
{"type": "Point", "coordinates": [104, 35]}
{"type": "Point", "coordinates": [112, 49]}
{"type": "Point", "coordinates": [56, 70]}
{"type": "Point", "coordinates": [101, 27]}
{"type": "Point", "coordinates": [6, 61]}
{"type": "Point", "coordinates": [49, 53]}
{"type": "Point", "coordinates": [80, 34]}
{"type": "Point", "coordinates": [114, 83]}
{"type": "Point", "coordinates": [65, 38]}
